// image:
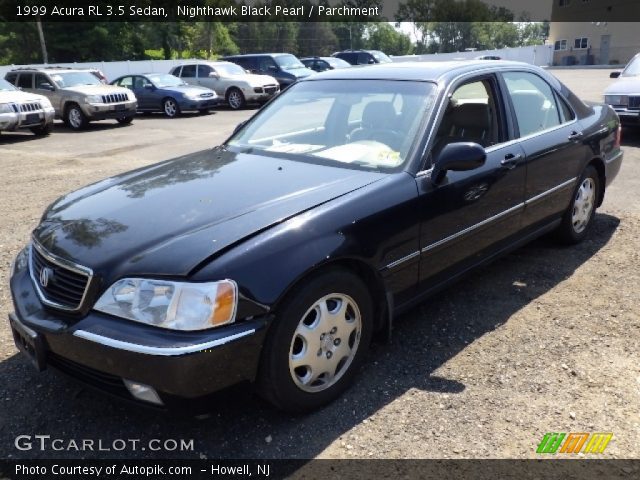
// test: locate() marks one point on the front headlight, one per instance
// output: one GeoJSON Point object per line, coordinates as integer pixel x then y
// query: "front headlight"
{"type": "Point", "coordinates": [616, 99]}
{"type": "Point", "coordinates": [21, 261]}
{"type": "Point", "coordinates": [192, 96]}
{"type": "Point", "coordinates": [94, 99]}
{"type": "Point", "coordinates": [6, 108]}
{"type": "Point", "coordinates": [173, 305]}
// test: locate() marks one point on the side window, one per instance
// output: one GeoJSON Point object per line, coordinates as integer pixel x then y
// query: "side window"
{"type": "Point", "coordinates": [267, 64]}
{"type": "Point", "coordinates": [40, 80]}
{"type": "Point", "coordinates": [25, 80]}
{"type": "Point", "coordinates": [204, 71]}
{"type": "Point", "coordinates": [364, 58]}
{"type": "Point", "coordinates": [188, 71]}
{"type": "Point", "coordinates": [471, 115]}
{"type": "Point", "coordinates": [126, 82]}
{"type": "Point", "coordinates": [566, 114]}
{"type": "Point", "coordinates": [321, 65]}
{"type": "Point", "coordinates": [11, 78]}
{"type": "Point", "coordinates": [176, 71]}
{"type": "Point", "coordinates": [533, 102]}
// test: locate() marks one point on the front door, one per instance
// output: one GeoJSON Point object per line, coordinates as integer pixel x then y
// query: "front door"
{"type": "Point", "coordinates": [467, 212]}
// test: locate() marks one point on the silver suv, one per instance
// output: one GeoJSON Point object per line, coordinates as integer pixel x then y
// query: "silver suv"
{"type": "Point", "coordinates": [20, 110]}
{"type": "Point", "coordinates": [230, 82]}
{"type": "Point", "coordinates": [78, 97]}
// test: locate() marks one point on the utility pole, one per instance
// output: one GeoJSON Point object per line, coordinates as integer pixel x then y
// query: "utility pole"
{"type": "Point", "coordinates": [43, 45]}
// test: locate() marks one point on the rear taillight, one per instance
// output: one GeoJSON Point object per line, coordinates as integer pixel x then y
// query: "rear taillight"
{"type": "Point", "coordinates": [618, 137]}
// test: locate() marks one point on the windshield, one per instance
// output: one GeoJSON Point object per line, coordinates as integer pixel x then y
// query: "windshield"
{"type": "Point", "coordinates": [162, 80]}
{"type": "Point", "coordinates": [72, 79]}
{"type": "Point", "coordinates": [288, 62]}
{"type": "Point", "coordinates": [380, 57]}
{"type": "Point", "coordinates": [632, 69]}
{"type": "Point", "coordinates": [369, 124]}
{"type": "Point", "coordinates": [6, 86]}
{"type": "Point", "coordinates": [230, 69]}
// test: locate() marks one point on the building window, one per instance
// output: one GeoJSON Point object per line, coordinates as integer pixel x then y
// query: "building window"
{"type": "Point", "coordinates": [560, 45]}
{"type": "Point", "coordinates": [564, 3]}
{"type": "Point", "coordinates": [581, 43]}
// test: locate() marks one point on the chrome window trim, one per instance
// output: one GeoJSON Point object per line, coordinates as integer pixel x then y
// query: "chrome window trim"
{"type": "Point", "coordinates": [159, 351]}
{"type": "Point", "coordinates": [67, 264]}
{"type": "Point", "coordinates": [406, 258]}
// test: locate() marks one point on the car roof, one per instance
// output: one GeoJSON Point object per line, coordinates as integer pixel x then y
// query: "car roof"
{"type": "Point", "coordinates": [417, 71]}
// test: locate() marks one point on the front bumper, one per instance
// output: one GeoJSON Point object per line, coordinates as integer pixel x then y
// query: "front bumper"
{"type": "Point", "coordinates": [104, 111]}
{"type": "Point", "coordinates": [259, 95]}
{"type": "Point", "coordinates": [627, 116]}
{"type": "Point", "coordinates": [102, 351]}
{"type": "Point", "coordinates": [17, 120]}
{"type": "Point", "coordinates": [199, 104]}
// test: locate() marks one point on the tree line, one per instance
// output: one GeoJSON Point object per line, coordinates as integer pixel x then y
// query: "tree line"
{"type": "Point", "coordinates": [462, 24]}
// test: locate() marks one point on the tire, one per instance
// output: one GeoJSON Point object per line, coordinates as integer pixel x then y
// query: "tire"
{"type": "Point", "coordinates": [170, 107]}
{"type": "Point", "coordinates": [235, 99]}
{"type": "Point", "coordinates": [125, 120]}
{"type": "Point", "coordinates": [305, 339]}
{"type": "Point", "coordinates": [42, 130]}
{"type": "Point", "coordinates": [577, 220]}
{"type": "Point", "coordinates": [75, 118]}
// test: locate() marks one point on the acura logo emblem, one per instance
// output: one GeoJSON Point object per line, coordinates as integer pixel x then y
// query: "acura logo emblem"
{"type": "Point", "coordinates": [46, 274]}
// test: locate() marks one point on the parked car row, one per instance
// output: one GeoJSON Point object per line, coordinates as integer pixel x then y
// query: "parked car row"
{"type": "Point", "coordinates": [32, 97]}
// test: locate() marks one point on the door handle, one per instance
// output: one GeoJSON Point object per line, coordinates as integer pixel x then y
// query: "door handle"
{"type": "Point", "coordinates": [573, 136]}
{"type": "Point", "coordinates": [511, 160]}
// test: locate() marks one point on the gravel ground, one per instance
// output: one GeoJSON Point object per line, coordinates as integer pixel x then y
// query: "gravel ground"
{"type": "Point", "coordinates": [545, 339]}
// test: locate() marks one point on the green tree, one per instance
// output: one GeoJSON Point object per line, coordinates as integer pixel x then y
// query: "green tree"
{"type": "Point", "coordinates": [382, 36]}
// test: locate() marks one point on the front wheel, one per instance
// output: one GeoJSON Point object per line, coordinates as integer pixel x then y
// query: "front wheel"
{"type": "Point", "coordinates": [319, 338]}
{"type": "Point", "coordinates": [42, 130]}
{"type": "Point", "coordinates": [75, 117]}
{"type": "Point", "coordinates": [170, 108]}
{"type": "Point", "coordinates": [578, 218]}
{"type": "Point", "coordinates": [235, 99]}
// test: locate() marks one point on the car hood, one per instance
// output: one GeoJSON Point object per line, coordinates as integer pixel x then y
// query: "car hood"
{"type": "Point", "coordinates": [260, 80]}
{"type": "Point", "coordinates": [101, 89]}
{"type": "Point", "coordinates": [624, 86]}
{"type": "Point", "coordinates": [188, 89]}
{"type": "Point", "coordinates": [10, 96]}
{"type": "Point", "coordinates": [300, 72]}
{"type": "Point", "coordinates": [168, 218]}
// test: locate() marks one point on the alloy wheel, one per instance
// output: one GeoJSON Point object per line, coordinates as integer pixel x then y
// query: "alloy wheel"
{"type": "Point", "coordinates": [583, 205]}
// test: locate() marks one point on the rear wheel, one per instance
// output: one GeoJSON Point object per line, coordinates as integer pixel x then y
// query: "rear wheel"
{"type": "Point", "coordinates": [75, 117]}
{"type": "Point", "coordinates": [170, 107]}
{"type": "Point", "coordinates": [235, 99]}
{"type": "Point", "coordinates": [578, 218]}
{"type": "Point", "coordinates": [318, 340]}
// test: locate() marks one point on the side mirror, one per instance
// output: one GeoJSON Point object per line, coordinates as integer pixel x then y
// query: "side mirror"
{"type": "Point", "coordinates": [460, 156]}
{"type": "Point", "coordinates": [614, 74]}
{"type": "Point", "coordinates": [46, 86]}
{"type": "Point", "coordinates": [214, 75]}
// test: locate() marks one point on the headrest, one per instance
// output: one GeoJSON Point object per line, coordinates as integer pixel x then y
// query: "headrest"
{"type": "Point", "coordinates": [378, 115]}
{"type": "Point", "coordinates": [470, 115]}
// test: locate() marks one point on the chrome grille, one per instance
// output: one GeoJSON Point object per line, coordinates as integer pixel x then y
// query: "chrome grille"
{"type": "Point", "coordinates": [634, 102]}
{"type": "Point", "coordinates": [30, 107]}
{"type": "Point", "coordinates": [66, 283]}
{"type": "Point", "coordinates": [206, 95]}
{"type": "Point", "coordinates": [115, 98]}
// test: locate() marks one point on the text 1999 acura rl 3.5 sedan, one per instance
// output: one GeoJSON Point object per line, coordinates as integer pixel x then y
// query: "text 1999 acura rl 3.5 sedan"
{"type": "Point", "coordinates": [274, 257]}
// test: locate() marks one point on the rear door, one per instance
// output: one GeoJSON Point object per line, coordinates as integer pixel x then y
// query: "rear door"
{"type": "Point", "coordinates": [466, 216]}
{"type": "Point", "coordinates": [552, 141]}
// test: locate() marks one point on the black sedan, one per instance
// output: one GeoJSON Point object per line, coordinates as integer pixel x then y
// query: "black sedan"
{"type": "Point", "coordinates": [321, 64]}
{"type": "Point", "coordinates": [162, 92]}
{"type": "Point", "coordinates": [274, 257]}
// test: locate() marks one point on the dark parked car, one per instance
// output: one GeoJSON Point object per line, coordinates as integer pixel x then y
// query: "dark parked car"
{"type": "Point", "coordinates": [284, 67]}
{"type": "Point", "coordinates": [321, 64]}
{"type": "Point", "coordinates": [274, 257]}
{"type": "Point", "coordinates": [363, 57]}
{"type": "Point", "coordinates": [162, 92]}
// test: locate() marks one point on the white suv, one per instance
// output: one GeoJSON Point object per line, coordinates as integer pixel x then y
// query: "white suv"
{"type": "Point", "coordinates": [20, 110]}
{"type": "Point", "coordinates": [229, 81]}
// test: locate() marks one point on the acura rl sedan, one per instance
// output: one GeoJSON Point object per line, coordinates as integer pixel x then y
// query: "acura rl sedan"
{"type": "Point", "coordinates": [274, 257]}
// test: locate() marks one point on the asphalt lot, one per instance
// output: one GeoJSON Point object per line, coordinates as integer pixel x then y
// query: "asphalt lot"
{"type": "Point", "coordinates": [545, 339]}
